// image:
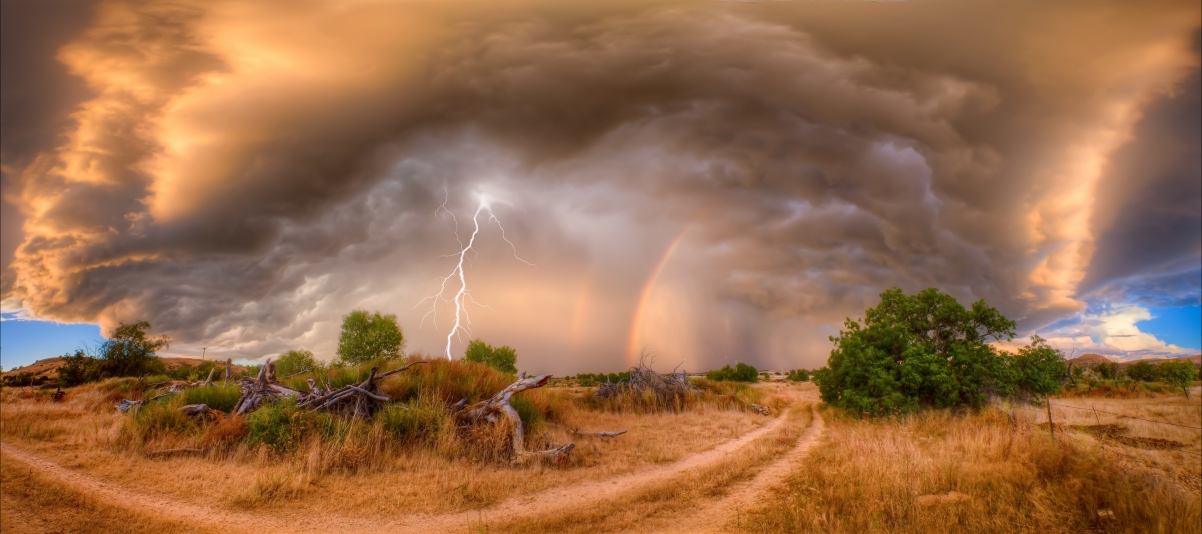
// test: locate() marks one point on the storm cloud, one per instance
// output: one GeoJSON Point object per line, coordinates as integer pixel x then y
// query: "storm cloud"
{"type": "Point", "coordinates": [707, 181]}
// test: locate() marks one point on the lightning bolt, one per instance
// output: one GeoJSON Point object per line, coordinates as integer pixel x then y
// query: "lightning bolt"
{"type": "Point", "coordinates": [463, 319]}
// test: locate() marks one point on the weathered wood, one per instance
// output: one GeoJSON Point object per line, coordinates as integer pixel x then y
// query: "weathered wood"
{"type": "Point", "coordinates": [229, 362]}
{"type": "Point", "coordinates": [399, 369]}
{"type": "Point", "coordinates": [209, 380]}
{"type": "Point", "coordinates": [126, 404]}
{"type": "Point", "coordinates": [298, 373]}
{"type": "Point", "coordinates": [195, 409]}
{"type": "Point", "coordinates": [487, 411]}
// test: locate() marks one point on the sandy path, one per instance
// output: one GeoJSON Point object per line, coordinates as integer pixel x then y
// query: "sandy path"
{"type": "Point", "coordinates": [751, 493]}
{"type": "Point", "coordinates": [561, 499]}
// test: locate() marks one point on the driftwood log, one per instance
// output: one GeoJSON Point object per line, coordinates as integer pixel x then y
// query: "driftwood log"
{"type": "Point", "coordinates": [488, 411]}
{"type": "Point", "coordinates": [355, 401]}
{"type": "Point", "coordinates": [262, 388]}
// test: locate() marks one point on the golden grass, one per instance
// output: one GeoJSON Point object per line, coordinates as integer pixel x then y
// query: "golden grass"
{"type": "Point", "coordinates": [661, 505]}
{"type": "Point", "coordinates": [871, 476]}
{"type": "Point", "coordinates": [85, 433]}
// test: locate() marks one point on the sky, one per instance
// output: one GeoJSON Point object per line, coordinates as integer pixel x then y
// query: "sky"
{"type": "Point", "coordinates": [706, 182]}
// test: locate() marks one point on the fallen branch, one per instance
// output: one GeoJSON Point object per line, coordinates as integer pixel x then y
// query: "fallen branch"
{"type": "Point", "coordinates": [262, 388]}
{"type": "Point", "coordinates": [488, 411]}
{"type": "Point", "coordinates": [601, 435]}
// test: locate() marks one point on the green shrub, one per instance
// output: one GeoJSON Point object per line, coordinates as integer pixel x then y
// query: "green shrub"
{"type": "Point", "coordinates": [419, 421]}
{"type": "Point", "coordinates": [164, 416]}
{"type": "Point", "coordinates": [503, 358]}
{"type": "Point", "coordinates": [272, 424]}
{"type": "Point", "coordinates": [741, 373]}
{"type": "Point", "coordinates": [216, 396]}
{"type": "Point", "coordinates": [294, 361]}
{"type": "Point", "coordinates": [799, 375]}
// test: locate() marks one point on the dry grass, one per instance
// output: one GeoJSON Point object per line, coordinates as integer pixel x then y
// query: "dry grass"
{"type": "Point", "coordinates": [661, 505]}
{"type": "Point", "coordinates": [361, 468]}
{"type": "Point", "coordinates": [1133, 419]}
{"type": "Point", "coordinates": [870, 476]}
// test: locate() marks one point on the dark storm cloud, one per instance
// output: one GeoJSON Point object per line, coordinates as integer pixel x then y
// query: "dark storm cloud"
{"type": "Point", "coordinates": [243, 186]}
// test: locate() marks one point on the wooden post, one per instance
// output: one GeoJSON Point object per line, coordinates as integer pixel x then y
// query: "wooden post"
{"type": "Point", "coordinates": [1051, 425]}
{"type": "Point", "coordinates": [228, 362]}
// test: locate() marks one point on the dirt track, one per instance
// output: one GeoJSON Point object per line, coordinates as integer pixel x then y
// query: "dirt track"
{"type": "Point", "coordinates": [548, 502]}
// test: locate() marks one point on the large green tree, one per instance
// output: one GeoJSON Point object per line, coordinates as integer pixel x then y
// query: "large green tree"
{"type": "Point", "coordinates": [369, 336]}
{"type": "Point", "coordinates": [503, 358]}
{"type": "Point", "coordinates": [927, 349]}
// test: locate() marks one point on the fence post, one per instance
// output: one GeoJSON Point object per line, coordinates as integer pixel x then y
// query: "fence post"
{"type": "Point", "coordinates": [1051, 425]}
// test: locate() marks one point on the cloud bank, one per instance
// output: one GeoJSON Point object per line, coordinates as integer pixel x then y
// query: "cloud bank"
{"type": "Point", "coordinates": [710, 182]}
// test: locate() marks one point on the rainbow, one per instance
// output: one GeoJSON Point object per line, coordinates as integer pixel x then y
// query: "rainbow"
{"type": "Point", "coordinates": [633, 350]}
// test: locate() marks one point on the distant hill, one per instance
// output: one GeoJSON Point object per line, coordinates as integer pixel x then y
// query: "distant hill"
{"type": "Point", "coordinates": [1094, 359]}
{"type": "Point", "coordinates": [1196, 359]}
{"type": "Point", "coordinates": [49, 367]}
{"type": "Point", "coordinates": [1090, 359]}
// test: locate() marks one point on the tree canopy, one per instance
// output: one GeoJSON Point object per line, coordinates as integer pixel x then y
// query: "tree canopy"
{"type": "Point", "coordinates": [927, 349]}
{"type": "Point", "coordinates": [503, 358]}
{"type": "Point", "coordinates": [369, 336]}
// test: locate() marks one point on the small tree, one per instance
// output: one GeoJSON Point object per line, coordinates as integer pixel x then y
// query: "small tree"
{"type": "Point", "coordinates": [503, 358]}
{"type": "Point", "coordinates": [1109, 370]}
{"type": "Point", "coordinates": [294, 361]}
{"type": "Point", "coordinates": [78, 368]}
{"type": "Point", "coordinates": [128, 352]}
{"type": "Point", "coordinates": [799, 375]}
{"type": "Point", "coordinates": [368, 336]}
{"type": "Point", "coordinates": [1179, 373]}
{"type": "Point", "coordinates": [1143, 371]}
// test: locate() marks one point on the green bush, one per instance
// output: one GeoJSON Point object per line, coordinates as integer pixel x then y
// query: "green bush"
{"type": "Point", "coordinates": [294, 361]}
{"type": "Point", "coordinates": [273, 424]}
{"type": "Point", "coordinates": [163, 416]}
{"type": "Point", "coordinates": [216, 396]}
{"type": "Point", "coordinates": [503, 358]}
{"type": "Point", "coordinates": [799, 375]}
{"type": "Point", "coordinates": [741, 373]}
{"type": "Point", "coordinates": [421, 421]}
